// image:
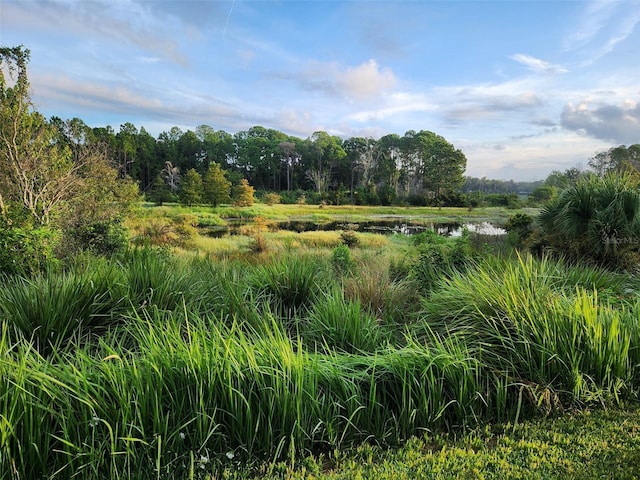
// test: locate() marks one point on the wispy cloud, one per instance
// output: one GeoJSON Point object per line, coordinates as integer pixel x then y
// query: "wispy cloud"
{"type": "Point", "coordinates": [396, 103]}
{"type": "Point", "coordinates": [592, 21]}
{"type": "Point", "coordinates": [125, 21]}
{"type": "Point", "coordinates": [601, 27]}
{"type": "Point", "coordinates": [538, 65]}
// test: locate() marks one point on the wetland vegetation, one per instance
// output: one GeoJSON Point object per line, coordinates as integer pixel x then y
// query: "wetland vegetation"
{"type": "Point", "coordinates": [134, 345]}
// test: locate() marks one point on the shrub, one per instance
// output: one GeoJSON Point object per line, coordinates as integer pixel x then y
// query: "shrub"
{"type": "Point", "coordinates": [271, 198]}
{"type": "Point", "coordinates": [519, 228]}
{"type": "Point", "coordinates": [341, 259]}
{"type": "Point", "coordinates": [27, 251]}
{"type": "Point", "coordinates": [258, 244]}
{"type": "Point", "coordinates": [598, 219]}
{"type": "Point", "coordinates": [100, 238]}
{"type": "Point", "coordinates": [349, 238]}
{"type": "Point", "coordinates": [243, 194]}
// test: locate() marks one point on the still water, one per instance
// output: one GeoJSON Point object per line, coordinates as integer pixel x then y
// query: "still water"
{"type": "Point", "coordinates": [388, 227]}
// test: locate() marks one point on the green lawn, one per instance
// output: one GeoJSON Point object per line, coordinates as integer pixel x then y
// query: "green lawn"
{"type": "Point", "coordinates": [600, 444]}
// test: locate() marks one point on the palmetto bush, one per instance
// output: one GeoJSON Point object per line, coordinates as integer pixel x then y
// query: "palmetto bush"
{"type": "Point", "coordinates": [597, 219]}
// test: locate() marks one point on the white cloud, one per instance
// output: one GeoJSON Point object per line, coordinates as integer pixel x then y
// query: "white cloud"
{"type": "Point", "coordinates": [530, 158]}
{"type": "Point", "coordinates": [366, 80]}
{"type": "Point", "coordinates": [538, 65]}
{"type": "Point", "coordinates": [124, 21]}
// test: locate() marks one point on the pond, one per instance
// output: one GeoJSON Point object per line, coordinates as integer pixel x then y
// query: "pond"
{"type": "Point", "coordinates": [381, 226]}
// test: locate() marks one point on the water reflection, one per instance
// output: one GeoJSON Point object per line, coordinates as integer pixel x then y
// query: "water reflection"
{"type": "Point", "coordinates": [387, 227]}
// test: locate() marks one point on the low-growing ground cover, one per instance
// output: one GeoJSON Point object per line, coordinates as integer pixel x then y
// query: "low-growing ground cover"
{"type": "Point", "coordinates": [576, 445]}
{"type": "Point", "coordinates": [152, 365]}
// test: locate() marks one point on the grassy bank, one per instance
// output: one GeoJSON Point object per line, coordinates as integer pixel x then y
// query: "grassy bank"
{"type": "Point", "coordinates": [153, 366]}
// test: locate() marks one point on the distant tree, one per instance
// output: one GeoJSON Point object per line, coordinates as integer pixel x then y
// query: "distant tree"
{"type": "Point", "coordinates": [243, 196]}
{"type": "Point", "coordinates": [323, 154]}
{"type": "Point", "coordinates": [290, 158]}
{"type": "Point", "coordinates": [191, 190]}
{"type": "Point", "coordinates": [542, 194]}
{"type": "Point", "coordinates": [159, 192]}
{"type": "Point", "coordinates": [443, 165]}
{"type": "Point", "coordinates": [319, 179]}
{"type": "Point", "coordinates": [217, 189]}
{"type": "Point", "coordinates": [617, 159]}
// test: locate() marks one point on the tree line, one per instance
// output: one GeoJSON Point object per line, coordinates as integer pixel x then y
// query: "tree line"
{"type": "Point", "coordinates": [418, 164]}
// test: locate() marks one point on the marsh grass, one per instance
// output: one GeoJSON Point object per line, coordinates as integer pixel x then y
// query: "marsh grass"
{"type": "Point", "coordinates": [337, 324]}
{"type": "Point", "coordinates": [194, 365]}
{"type": "Point", "coordinates": [290, 286]}
{"type": "Point", "coordinates": [50, 310]}
{"type": "Point", "coordinates": [392, 301]}
{"type": "Point", "coordinates": [540, 326]}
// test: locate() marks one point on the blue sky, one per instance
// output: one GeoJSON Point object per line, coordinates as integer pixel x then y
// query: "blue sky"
{"type": "Point", "coordinates": [521, 87]}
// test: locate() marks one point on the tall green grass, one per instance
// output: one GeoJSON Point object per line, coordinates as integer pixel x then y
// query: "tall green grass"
{"type": "Point", "coordinates": [289, 287]}
{"type": "Point", "coordinates": [188, 366]}
{"type": "Point", "coordinates": [50, 310]}
{"type": "Point", "coordinates": [337, 324]}
{"type": "Point", "coordinates": [195, 392]}
{"type": "Point", "coordinates": [542, 326]}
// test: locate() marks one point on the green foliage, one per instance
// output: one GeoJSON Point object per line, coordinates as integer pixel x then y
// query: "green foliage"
{"type": "Point", "coordinates": [580, 445]}
{"type": "Point", "coordinates": [542, 194]}
{"type": "Point", "coordinates": [509, 200]}
{"type": "Point", "coordinates": [598, 220]}
{"type": "Point", "coordinates": [519, 227]}
{"type": "Point", "coordinates": [243, 194]}
{"type": "Point", "coordinates": [100, 238]}
{"type": "Point", "coordinates": [191, 190]}
{"type": "Point", "coordinates": [341, 259]}
{"type": "Point", "coordinates": [25, 251]}
{"type": "Point", "coordinates": [438, 257]}
{"type": "Point", "coordinates": [617, 160]}
{"type": "Point", "coordinates": [160, 192]}
{"type": "Point", "coordinates": [217, 189]}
